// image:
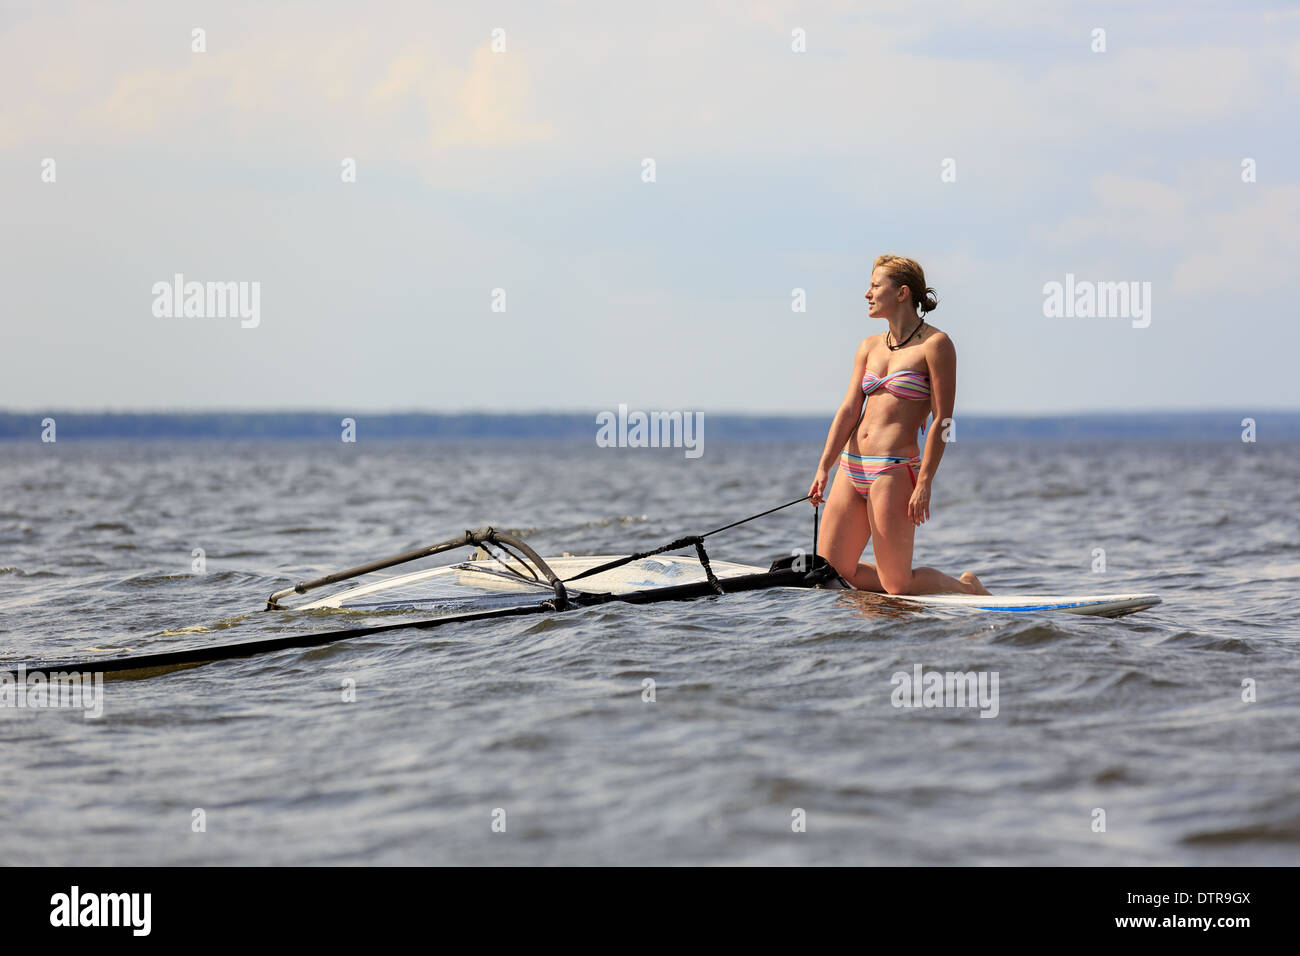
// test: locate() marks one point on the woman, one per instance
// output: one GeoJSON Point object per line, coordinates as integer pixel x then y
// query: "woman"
{"type": "Point", "coordinates": [882, 491]}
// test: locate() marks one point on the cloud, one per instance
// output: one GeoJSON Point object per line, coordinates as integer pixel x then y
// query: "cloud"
{"type": "Point", "coordinates": [284, 86]}
{"type": "Point", "coordinates": [1250, 249]}
{"type": "Point", "coordinates": [1127, 209]}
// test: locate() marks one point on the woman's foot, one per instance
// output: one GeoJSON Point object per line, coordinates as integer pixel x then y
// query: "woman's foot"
{"type": "Point", "coordinates": [972, 583]}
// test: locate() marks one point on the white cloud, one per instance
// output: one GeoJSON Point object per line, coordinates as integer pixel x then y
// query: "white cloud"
{"type": "Point", "coordinates": [1127, 209]}
{"type": "Point", "coordinates": [1250, 249]}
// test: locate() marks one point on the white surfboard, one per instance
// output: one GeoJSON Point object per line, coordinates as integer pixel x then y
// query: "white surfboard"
{"type": "Point", "coordinates": [1101, 605]}
{"type": "Point", "coordinates": [464, 585]}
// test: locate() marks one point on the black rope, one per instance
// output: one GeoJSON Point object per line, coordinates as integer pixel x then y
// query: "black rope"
{"type": "Point", "coordinates": [816, 517]}
{"type": "Point", "coordinates": [708, 571]}
{"type": "Point", "coordinates": [769, 511]}
{"type": "Point", "coordinates": [695, 539]}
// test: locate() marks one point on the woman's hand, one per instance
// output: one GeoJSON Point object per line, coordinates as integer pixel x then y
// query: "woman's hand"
{"type": "Point", "coordinates": [918, 507]}
{"type": "Point", "coordinates": [817, 490]}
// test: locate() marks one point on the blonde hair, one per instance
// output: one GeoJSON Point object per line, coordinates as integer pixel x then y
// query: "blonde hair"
{"type": "Point", "coordinates": [904, 271]}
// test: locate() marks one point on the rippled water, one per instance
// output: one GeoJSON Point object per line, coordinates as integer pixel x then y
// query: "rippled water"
{"type": "Point", "coordinates": [765, 703]}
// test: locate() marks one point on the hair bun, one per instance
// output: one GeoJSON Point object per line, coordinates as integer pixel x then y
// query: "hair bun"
{"type": "Point", "coordinates": [908, 272]}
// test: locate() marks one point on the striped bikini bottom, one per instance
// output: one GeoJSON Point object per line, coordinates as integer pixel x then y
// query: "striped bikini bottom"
{"type": "Point", "coordinates": [864, 469]}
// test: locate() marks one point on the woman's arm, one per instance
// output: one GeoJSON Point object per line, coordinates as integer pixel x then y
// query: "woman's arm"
{"type": "Point", "coordinates": [846, 417]}
{"type": "Point", "coordinates": [942, 361]}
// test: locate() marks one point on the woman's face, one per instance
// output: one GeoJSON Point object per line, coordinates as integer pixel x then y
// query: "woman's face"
{"type": "Point", "coordinates": [882, 295]}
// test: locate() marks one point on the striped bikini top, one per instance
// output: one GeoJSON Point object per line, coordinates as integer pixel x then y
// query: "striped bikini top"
{"type": "Point", "coordinates": [903, 384]}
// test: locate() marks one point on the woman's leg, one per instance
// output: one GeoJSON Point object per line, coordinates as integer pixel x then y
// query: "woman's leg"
{"type": "Point", "coordinates": [845, 531]}
{"type": "Point", "coordinates": [893, 540]}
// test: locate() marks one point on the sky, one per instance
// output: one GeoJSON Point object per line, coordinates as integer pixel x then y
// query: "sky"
{"type": "Point", "coordinates": [502, 247]}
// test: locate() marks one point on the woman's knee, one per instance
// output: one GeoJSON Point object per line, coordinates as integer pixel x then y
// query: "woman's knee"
{"type": "Point", "coordinates": [845, 568]}
{"type": "Point", "coordinates": [896, 583]}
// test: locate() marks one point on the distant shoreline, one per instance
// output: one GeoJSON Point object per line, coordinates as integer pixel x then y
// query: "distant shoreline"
{"type": "Point", "coordinates": [280, 426]}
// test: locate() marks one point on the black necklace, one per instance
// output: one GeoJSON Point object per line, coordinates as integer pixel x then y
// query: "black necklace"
{"type": "Point", "coordinates": [895, 348]}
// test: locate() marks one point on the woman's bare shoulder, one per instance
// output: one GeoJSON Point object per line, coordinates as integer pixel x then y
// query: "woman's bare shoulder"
{"type": "Point", "coordinates": [938, 338]}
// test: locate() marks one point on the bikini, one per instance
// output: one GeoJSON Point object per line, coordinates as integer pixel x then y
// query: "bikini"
{"type": "Point", "coordinates": [864, 469]}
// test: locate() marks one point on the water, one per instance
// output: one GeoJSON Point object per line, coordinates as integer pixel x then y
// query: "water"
{"type": "Point", "coordinates": [765, 703]}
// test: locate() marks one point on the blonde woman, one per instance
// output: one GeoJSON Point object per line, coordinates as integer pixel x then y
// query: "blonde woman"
{"type": "Point", "coordinates": [882, 491]}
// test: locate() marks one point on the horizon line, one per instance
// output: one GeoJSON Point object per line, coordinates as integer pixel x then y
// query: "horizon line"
{"type": "Point", "coordinates": [342, 410]}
